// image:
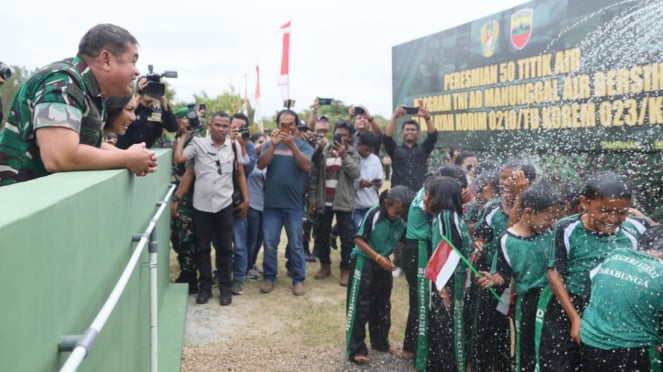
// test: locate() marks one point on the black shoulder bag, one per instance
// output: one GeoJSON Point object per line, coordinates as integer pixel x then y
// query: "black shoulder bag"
{"type": "Point", "coordinates": [237, 192]}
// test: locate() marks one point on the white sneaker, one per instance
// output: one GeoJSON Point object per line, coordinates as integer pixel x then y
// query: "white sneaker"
{"type": "Point", "coordinates": [397, 272]}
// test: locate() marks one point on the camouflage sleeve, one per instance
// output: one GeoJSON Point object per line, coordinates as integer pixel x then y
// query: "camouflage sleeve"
{"type": "Point", "coordinates": [56, 114]}
{"type": "Point", "coordinates": [58, 103]}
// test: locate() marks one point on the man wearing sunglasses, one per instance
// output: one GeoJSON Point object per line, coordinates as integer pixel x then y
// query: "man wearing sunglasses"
{"type": "Point", "coordinates": [214, 163]}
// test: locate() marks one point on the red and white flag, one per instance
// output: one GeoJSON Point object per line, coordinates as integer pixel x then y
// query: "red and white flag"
{"type": "Point", "coordinates": [442, 264]}
{"type": "Point", "coordinates": [284, 78]}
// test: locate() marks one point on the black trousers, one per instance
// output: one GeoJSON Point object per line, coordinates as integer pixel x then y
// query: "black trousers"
{"type": "Point", "coordinates": [558, 352]}
{"type": "Point", "coordinates": [622, 360]}
{"type": "Point", "coordinates": [218, 227]}
{"type": "Point", "coordinates": [346, 229]}
{"type": "Point", "coordinates": [373, 307]}
{"type": "Point", "coordinates": [409, 258]}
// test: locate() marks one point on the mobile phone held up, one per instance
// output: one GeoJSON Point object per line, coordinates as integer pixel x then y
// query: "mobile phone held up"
{"type": "Point", "coordinates": [325, 101]}
{"type": "Point", "coordinates": [411, 110]}
{"type": "Point", "coordinates": [338, 138]}
{"type": "Point", "coordinates": [202, 108]}
{"type": "Point", "coordinates": [359, 110]}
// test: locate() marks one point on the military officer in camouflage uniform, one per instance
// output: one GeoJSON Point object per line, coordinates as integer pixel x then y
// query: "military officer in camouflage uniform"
{"type": "Point", "coordinates": [56, 121]}
{"type": "Point", "coordinates": [182, 236]}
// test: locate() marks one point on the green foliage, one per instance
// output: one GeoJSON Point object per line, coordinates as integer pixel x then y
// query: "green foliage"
{"type": "Point", "coordinates": [10, 87]}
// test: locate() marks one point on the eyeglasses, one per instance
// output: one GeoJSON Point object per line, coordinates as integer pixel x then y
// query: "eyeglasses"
{"type": "Point", "coordinates": [218, 167]}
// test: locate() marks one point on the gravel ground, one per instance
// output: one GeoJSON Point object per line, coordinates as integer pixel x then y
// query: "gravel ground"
{"type": "Point", "coordinates": [281, 332]}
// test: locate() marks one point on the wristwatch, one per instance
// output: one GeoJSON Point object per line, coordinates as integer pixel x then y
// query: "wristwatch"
{"type": "Point", "coordinates": [176, 198]}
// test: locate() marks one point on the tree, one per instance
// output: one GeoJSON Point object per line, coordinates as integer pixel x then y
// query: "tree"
{"type": "Point", "coordinates": [10, 88]}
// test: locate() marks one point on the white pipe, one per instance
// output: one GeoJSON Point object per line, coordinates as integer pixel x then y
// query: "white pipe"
{"type": "Point", "coordinates": [154, 310]}
{"type": "Point", "coordinates": [80, 352]}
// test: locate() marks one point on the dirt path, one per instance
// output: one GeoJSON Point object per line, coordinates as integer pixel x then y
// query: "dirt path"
{"type": "Point", "coordinates": [281, 332]}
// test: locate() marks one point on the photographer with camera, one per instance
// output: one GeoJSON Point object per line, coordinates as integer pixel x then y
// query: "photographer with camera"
{"type": "Point", "coordinates": [153, 113]}
{"type": "Point", "coordinates": [332, 193]}
{"type": "Point", "coordinates": [239, 131]}
{"type": "Point", "coordinates": [5, 74]}
{"type": "Point", "coordinates": [363, 122]}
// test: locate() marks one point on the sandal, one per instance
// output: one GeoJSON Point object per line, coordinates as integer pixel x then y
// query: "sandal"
{"type": "Point", "coordinates": [359, 359]}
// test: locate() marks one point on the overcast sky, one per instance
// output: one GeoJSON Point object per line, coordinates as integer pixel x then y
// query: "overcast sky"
{"type": "Point", "coordinates": [339, 49]}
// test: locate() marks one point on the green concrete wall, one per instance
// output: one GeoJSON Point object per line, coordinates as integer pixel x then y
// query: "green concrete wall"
{"type": "Point", "coordinates": [65, 240]}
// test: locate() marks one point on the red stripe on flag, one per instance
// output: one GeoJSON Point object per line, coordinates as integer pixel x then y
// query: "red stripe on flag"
{"type": "Point", "coordinates": [285, 59]}
{"type": "Point", "coordinates": [442, 264]}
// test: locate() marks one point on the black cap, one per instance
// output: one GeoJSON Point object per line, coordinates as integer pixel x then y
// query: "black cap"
{"type": "Point", "coordinates": [302, 125]}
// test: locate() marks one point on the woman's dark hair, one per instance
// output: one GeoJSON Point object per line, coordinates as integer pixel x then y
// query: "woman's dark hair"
{"type": "Point", "coordinates": [651, 239]}
{"type": "Point", "coordinates": [607, 185]}
{"type": "Point", "coordinates": [401, 194]}
{"type": "Point", "coordinates": [453, 171]}
{"type": "Point", "coordinates": [462, 156]}
{"type": "Point", "coordinates": [540, 196]}
{"type": "Point", "coordinates": [114, 106]}
{"type": "Point", "coordinates": [444, 194]}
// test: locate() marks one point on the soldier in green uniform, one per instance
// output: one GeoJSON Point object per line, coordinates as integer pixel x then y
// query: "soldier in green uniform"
{"type": "Point", "coordinates": [620, 327]}
{"type": "Point", "coordinates": [182, 237]}
{"type": "Point", "coordinates": [56, 121]}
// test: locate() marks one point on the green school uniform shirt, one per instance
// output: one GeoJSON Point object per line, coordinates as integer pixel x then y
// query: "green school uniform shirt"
{"type": "Point", "coordinates": [626, 300]}
{"type": "Point", "coordinates": [379, 232]}
{"type": "Point", "coordinates": [577, 250]}
{"type": "Point", "coordinates": [526, 258]}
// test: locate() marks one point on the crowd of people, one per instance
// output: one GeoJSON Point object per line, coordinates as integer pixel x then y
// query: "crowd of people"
{"type": "Point", "coordinates": [554, 277]}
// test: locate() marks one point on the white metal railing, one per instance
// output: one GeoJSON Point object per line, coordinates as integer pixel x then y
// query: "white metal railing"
{"type": "Point", "coordinates": [80, 345]}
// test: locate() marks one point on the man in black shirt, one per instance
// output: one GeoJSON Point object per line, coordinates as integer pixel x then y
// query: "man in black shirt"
{"type": "Point", "coordinates": [409, 160]}
{"type": "Point", "coordinates": [153, 115]}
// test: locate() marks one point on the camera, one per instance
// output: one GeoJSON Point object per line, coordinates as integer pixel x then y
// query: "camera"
{"type": "Point", "coordinates": [244, 131]}
{"type": "Point", "coordinates": [411, 110]}
{"type": "Point", "coordinates": [5, 71]}
{"type": "Point", "coordinates": [192, 115]}
{"type": "Point", "coordinates": [359, 110]}
{"type": "Point", "coordinates": [155, 88]}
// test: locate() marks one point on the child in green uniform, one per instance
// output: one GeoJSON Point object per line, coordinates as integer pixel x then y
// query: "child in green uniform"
{"type": "Point", "coordinates": [369, 289]}
{"type": "Point", "coordinates": [446, 329]}
{"type": "Point", "coordinates": [489, 341]}
{"type": "Point", "coordinates": [620, 327]}
{"type": "Point", "coordinates": [581, 242]}
{"type": "Point", "coordinates": [522, 253]}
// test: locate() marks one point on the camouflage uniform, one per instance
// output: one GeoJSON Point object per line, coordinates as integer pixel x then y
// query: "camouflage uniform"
{"type": "Point", "coordinates": [182, 236]}
{"type": "Point", "coordinates": [63, 94]}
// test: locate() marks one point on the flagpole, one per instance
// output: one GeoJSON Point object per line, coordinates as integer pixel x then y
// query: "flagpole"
{"type": "Point", "coordinates": [472, 268]}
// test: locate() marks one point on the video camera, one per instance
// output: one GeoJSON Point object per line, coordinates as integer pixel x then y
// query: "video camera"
{"type": "Point", "coordinates": [5, 71]}
{"type": "Point", "coordinates": [155, 88]}
{"type": "Point", "coordinates": [192, 115]}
